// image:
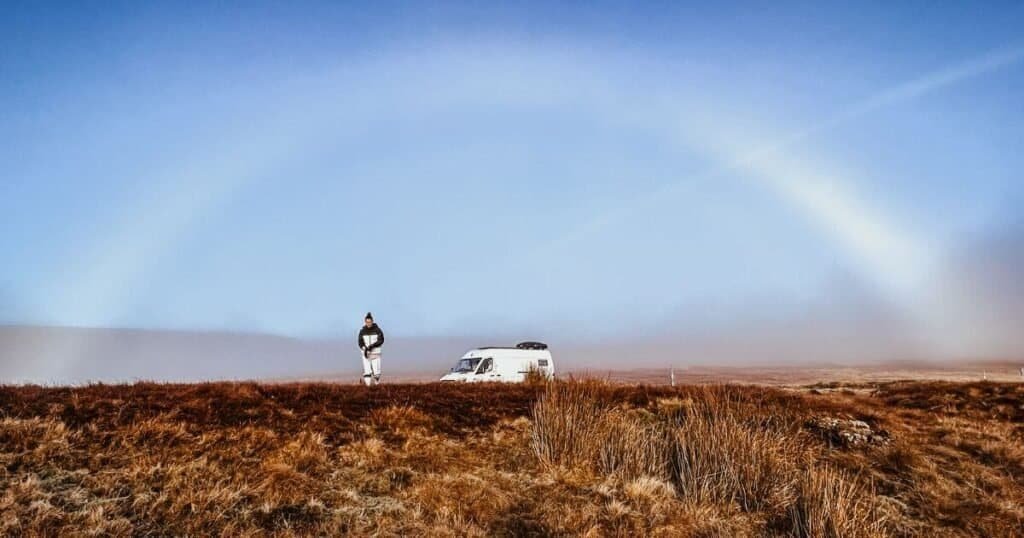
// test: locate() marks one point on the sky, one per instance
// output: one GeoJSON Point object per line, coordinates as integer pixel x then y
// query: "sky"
{"type": "Point", "coordinates": [579, 172]}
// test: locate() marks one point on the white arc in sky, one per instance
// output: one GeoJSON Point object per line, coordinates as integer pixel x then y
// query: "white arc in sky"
{"type": "Point", "coordinates": [892, 256]}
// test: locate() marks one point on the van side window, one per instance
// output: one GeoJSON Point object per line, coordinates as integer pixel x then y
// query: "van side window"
{"type": "Point", "coordinates": [486, 365]}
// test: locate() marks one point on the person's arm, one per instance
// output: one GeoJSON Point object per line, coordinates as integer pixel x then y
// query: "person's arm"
{"type": "Point", "coordinates": [380, 340]}
{"type": "Point", "coordinates": [359, 339]}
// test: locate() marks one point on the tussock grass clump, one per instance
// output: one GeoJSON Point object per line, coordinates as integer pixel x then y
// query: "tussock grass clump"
{"type": "Point", "coordinates": [307, 453]}
{"type": "Point", "coordinates": [33, 441]}
{"type": "Point", "coordinates": [833, 505]}
{"type": "Point", "coordinates": [464, 500]}
{"type": "Point", "coordinates": [568, 422]}
{"type": "Point", "coordinates": [400, 419]}
{"type": "Point", "coordinates": [575, 425]}
{"type": "Point", "coordinates": [724, 460]}
{"type": "Point", "coordinates": [157, 432]}
{"type": "Point", "coordinates": [631, 447]}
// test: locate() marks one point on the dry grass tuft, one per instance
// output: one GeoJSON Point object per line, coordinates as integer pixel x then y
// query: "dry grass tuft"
{"type": "Point", "coordinates": [400, 419]}
{"type": "Point", "coordinates": [833, 505]}
{"type": "Point", "coordinates": [724, 460]}
{"type": "Point", "coordinates": [631, 446]}
{"type": "Point", "coordinates": [307, 453]}
{"type": "Point", "coordinates": [33, 441]}
{"type": "Point", "coordinates": [567, 420]}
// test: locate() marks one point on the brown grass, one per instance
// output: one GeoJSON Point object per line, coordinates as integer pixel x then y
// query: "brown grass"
{"type": "Point", "coordinates": [543, 459]}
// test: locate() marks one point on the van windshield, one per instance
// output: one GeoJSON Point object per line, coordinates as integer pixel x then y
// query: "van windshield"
{"type": "Point", "coordinates": [466, 365]}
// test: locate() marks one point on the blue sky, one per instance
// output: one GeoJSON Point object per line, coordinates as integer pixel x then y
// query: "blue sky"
{"type": "Point", "coordinates": [582, 170]}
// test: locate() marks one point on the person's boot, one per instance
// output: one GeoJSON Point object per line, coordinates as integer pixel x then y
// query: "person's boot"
{"type": "Point", "coordinates": [367, 380]}
{"type": "Point", "coordinates": [376, 379]}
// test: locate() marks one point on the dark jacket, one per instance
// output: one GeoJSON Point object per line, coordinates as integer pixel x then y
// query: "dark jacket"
{"type": "Point", "coordinates": [370, 338]}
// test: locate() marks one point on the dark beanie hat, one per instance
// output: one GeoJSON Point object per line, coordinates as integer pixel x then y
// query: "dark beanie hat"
{"type": "Point", "coordinates": [369, 316]}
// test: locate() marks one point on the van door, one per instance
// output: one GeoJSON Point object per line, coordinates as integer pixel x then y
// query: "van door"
{"type": "Point", "coordinates": [487, 372]}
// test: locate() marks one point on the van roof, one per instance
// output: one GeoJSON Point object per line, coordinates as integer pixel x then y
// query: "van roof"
{"type": "Point", "coordinates": [521, 345]}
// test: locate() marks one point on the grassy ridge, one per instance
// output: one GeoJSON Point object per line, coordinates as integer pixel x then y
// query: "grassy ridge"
{"type": "Point", "coordinates": [244, 459]}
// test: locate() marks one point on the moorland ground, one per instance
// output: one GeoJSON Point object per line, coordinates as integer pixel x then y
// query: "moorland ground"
{"type": "Point", "coordinates": [561, 459]}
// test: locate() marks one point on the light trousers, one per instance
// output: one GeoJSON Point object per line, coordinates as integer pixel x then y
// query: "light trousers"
{"type": "Point", "coordinates": [371, 370]}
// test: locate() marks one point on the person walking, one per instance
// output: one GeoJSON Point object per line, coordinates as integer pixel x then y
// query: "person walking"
{"type": "Point", "coordinates": [371, 339]}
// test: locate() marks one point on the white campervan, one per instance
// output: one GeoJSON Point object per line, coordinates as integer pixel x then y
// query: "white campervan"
{"type": "Point", "coordinates": [507, 364]}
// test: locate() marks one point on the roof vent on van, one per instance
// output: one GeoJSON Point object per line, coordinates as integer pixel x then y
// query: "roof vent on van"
{"type": "Point", "coordinates": [531, 345]}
